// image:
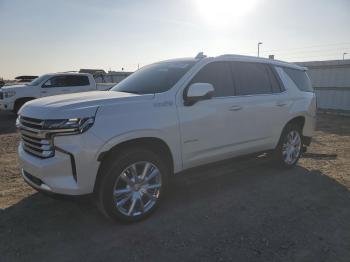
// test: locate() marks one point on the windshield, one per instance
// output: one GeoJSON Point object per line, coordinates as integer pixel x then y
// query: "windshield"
{"type": "Point", "coordinates": [155, 78]}
{"type": "Point", "coordinates": [38, 80]}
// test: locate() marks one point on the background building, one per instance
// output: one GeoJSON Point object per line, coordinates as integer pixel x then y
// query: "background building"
{"type": "Point", "coordinates": [331, 81]}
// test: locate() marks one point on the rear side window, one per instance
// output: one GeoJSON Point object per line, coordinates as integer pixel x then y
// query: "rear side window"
{"type": "Point", "coordinates": [300, 78]}
{"type": "Point", "coordinates": [219, 75]}
{"type": "Point", "coordinates": [77, 80]}
{"type": "Point", "coordinates": [251, 78]}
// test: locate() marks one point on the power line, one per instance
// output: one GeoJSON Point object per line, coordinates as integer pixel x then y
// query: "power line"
{"type": "Point", "coordinates": [311, 51]}
{"type": "Point", "coordinates": [306, 47]}
{"type": "Point", "coordinates": [334, 51]}
{"type": "Point", "coordinates": [280, 51]}
{"type": "Point", "coordinates": [311, 56]}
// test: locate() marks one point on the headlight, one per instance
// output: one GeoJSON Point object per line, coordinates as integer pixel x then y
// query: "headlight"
{"type": "Point", "coordinates": [69, 126]}
{"type": "Point", "coordinates": [8, 94]}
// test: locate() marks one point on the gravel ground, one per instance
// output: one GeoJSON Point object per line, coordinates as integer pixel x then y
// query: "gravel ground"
{"type": "Point", "coordinates": [238, 210]}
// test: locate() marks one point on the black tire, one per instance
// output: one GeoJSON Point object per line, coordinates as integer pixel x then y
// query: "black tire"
{"type": "Point", "coordinates": [279, 157]}
{"type": "Point", "coordinates": [113, 168]}
{"type": "Point", "coordinates": [19, 104]}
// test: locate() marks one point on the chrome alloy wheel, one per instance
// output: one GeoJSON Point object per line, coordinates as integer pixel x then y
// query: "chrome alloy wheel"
{"type": "Point", "coordinates": [291, 147]}
{"type": "Point", "coordinates": [137, 188]}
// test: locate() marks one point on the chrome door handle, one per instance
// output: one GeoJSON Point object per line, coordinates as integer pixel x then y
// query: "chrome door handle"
{"type": "Point", "coordinates": [43, 92]}
{"type": "Point", "coordinates": [235, 108]}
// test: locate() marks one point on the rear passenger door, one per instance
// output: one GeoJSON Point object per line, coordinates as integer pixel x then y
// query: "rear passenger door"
{"type": "Point", "coordinates": [260, 107]}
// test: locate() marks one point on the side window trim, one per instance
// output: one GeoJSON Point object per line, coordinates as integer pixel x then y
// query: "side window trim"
{"type": "Point", "coordinates": [234, 83]}
{"type": "Point", "coordinates": [277, 77]}
{"type": "Point", "coordinates": [268, 73]}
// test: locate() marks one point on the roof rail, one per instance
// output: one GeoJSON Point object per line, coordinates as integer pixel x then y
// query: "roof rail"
{"type": "Point", "coordinates": [200, 55]}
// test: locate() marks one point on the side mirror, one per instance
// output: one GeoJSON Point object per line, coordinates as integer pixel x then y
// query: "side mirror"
{"type": "Point", "coordinates": [197, 92]}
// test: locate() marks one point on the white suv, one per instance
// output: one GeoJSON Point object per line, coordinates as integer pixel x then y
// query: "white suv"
{"type": "Point", "coordinates": [123, 144]}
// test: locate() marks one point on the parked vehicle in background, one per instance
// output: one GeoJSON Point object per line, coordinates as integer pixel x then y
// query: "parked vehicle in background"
{"type": "Point", "coordinates": [123, 144]}
{"type": "Point", "coordinates": [25, 79]}
{"type": "Point", "coordinates": [13, 97]}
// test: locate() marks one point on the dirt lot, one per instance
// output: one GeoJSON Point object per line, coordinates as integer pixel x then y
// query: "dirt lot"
{"type": "Point", "coordinates": [239, 210]}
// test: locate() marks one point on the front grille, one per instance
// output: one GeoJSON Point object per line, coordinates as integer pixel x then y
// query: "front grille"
{"type": "Point", "coordinates": [35, 140]}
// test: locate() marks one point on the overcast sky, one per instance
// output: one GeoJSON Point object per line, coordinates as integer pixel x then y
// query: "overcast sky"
{"type": "Point", "coordinates": [41, 36]}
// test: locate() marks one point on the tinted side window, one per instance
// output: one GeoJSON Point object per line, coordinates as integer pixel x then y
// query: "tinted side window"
{"type": "Point", "coordinates": [77, 80]}
{"type": "Point", "coordinates": [56, 81]}
{"type": "Point", "coordinates": [219, 75]}
{"type": "Point", "coordinates": [251, 78]}
{"type": "Point", "coordinates": [300, 78]}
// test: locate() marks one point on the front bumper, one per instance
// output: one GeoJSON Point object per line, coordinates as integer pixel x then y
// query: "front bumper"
{"type": "Point", "coordinates": [309, 126]}
{"type": "Point", "coordinates": [8, 106]}
{"type": "Point", "coordinates": [71, 171]}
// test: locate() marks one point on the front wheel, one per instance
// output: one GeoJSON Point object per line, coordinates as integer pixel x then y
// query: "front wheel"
{"type": "Point", "coordinates": [289, 148]}
{"type": "Point", "coordinates": [132, 186]}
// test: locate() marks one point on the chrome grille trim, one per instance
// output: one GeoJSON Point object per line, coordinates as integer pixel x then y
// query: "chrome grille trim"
{"type": "Point", "coordinates": [38, 147]}
{"type": "Point", "coordinates": [30, 121]}
{"type": "Point", "coordinates": [35, 140]}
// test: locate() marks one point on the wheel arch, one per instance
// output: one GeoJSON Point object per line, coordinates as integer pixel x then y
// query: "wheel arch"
{"type": "Point", "coordinates": [298, 120]}
{"type": "Point", "coordinates": [26, 98]}
{"type": "Point", "coordinates": [20, 100]}
{"type": "Point", "coordinates": [155, 144]}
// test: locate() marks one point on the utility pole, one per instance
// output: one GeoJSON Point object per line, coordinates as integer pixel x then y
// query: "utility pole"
{"type": "Point", "coordinates": [344, 55]}
{"type": "Point", "coordinates": [260, 43]}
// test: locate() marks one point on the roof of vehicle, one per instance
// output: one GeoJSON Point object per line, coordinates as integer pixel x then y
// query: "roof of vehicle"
{"type": "Point", "coordinates": [261, 60]}
{"type": "Point", "coordinates": [67, 73]}
{"type": "Point", "coordinates": [184, 59]}
{"type": "Point", "coordinates": [240, 58]}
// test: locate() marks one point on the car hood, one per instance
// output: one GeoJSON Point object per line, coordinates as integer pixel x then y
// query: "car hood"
{"type": "Point", "coordinates": [76, 105]}
{"type": "Point", "coordinates": [12, 87]}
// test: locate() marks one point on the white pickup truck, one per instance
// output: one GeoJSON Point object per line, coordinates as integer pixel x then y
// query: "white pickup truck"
{"type": "Point", "coordinates": [12, 98]}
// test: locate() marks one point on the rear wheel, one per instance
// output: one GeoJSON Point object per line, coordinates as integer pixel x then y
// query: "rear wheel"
{"type": "Point", "coordinates": [289, 148]}
{"type": "Point", "coordinates": [132, 185]}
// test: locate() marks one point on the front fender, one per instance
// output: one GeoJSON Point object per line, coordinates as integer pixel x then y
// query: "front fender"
{"type": "Point", "coordinates": [137, 134]}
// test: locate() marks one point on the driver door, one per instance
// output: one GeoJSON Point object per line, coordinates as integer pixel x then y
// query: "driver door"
{"type": "Point", "coordinates": [205, 125]}
{"type": "Point", "coordinates": [54, 86]}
